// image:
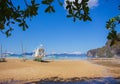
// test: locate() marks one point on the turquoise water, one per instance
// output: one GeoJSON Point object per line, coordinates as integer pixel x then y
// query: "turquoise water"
{"type": "Point", "coordinates": [49, 57]}
{"type": "Point", "coordinates": [83, 57]}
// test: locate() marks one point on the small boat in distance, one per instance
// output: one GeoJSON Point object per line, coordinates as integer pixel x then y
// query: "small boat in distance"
{"type": "Point", "coordinates": [2, 55]}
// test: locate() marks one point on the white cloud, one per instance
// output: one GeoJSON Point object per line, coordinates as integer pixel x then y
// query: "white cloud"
{"type": "Point", "coordinates": [91, 3]}
{"type": "Point", "coordinates": [75, 52]}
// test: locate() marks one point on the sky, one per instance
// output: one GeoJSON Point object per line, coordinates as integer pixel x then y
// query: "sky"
{"type": "Point", "coordinates": [60, 34]}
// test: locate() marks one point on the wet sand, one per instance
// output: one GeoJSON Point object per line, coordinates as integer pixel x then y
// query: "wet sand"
{"type": "Point", "coordinates": [112, 65]}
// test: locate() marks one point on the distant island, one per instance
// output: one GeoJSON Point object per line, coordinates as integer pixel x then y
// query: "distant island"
{"type": "Point", "coordinates": [107, 50]}
{"type": "Point", "coordinates": [55, 54]}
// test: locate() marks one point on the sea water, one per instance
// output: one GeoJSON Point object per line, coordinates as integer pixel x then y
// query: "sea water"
{"type": "Point", "coordinates": [71, 57]}
{"type": "Point", "coordinates": [53, 57]}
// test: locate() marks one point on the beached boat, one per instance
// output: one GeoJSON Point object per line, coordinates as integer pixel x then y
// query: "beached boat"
{"type": "Point", "coordinates": [39, 53]}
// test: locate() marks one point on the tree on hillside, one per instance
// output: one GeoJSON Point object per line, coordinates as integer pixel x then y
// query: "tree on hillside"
{"type": "Point", "coordinates": [111, 25]}
{"type": "Point", "coordinates": [11, 14]}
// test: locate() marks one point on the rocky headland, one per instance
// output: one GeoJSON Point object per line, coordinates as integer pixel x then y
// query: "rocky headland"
{"type": "Point", "coordinates": [107, 50]}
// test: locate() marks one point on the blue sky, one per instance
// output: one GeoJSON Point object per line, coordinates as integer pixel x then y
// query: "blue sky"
{"type": "Point", "coordinates": [60, 34]}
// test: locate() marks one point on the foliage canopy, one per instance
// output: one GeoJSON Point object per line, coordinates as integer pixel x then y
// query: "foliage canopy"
{"type": "Point", "coordinates": [11, 14]}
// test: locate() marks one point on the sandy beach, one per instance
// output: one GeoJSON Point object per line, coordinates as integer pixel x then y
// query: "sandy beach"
{"type": "Point", "coordinates": [16, 69]}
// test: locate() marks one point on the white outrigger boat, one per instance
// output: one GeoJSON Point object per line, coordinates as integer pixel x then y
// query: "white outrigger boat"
{"type": "Point", "coordinates": [39, 53]}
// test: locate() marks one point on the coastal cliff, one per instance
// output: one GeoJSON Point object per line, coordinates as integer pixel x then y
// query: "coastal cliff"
{"type": "Point", "coordinates": [107, 50]}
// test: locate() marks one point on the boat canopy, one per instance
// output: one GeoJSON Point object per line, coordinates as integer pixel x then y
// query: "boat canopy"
{"type": "Point", "coordinates": [39, 53]}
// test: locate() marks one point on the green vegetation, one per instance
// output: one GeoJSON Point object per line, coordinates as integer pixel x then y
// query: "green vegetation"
{"type": "Point", "coordinates": [38, 59]}
{"type": "Point", "coordinates": [11, 14]}
{"type": "Point", "coordinates": [111, 25]}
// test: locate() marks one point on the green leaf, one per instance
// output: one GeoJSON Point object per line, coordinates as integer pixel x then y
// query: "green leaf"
{"type": "Point", "coordinates": [47, 10]}
{"type": "Point", "coordinates": [18, 8]}
{"type": "Point", "coordinates": [33, 1]}
{"type": "Point", "coordinates": [8, 32]}
{"type": "Point", "coordinates": [60, 3]}
{"type": "Point", "coordinates": [2, 27]}
{"type": "Point", "coordinates": [50, 1]}
{"type": "Point", "coordinates": [21, 24]}
{"type": "Point", "coordinates": [52, 9]}
{"type": "Point", "coordinates": [44, 2]}
{"type": "Point", "coordinates": [13, 22]}
{"type": "Point", "coordinates": [70, 11]}
{"type": "Point", "coordinates": [74, 19]}
{"type": "Point", "coordinates": [26, 25]}
{"type": "Point", "coordinates": [8, 23]}
{"type": "Point", "coordinates": [88, 18]}
{"type": "Point", "coordinates": [69, 16]}
{"type": "Point", "coordinates": [18, 20]}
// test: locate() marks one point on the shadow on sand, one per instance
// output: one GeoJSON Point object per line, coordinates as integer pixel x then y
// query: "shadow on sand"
{"type": "Point", "coordinates": [76, 80]}
{"type": "Point", "coordinates": [45, 61]}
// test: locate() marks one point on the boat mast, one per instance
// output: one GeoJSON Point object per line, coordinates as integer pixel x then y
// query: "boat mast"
{"type": "Point", "coordinates": [5, 55]}
{"type": "Point", "coordinates": [22, 52]}
{"type": "Point", "coordinates": [1, 51]}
